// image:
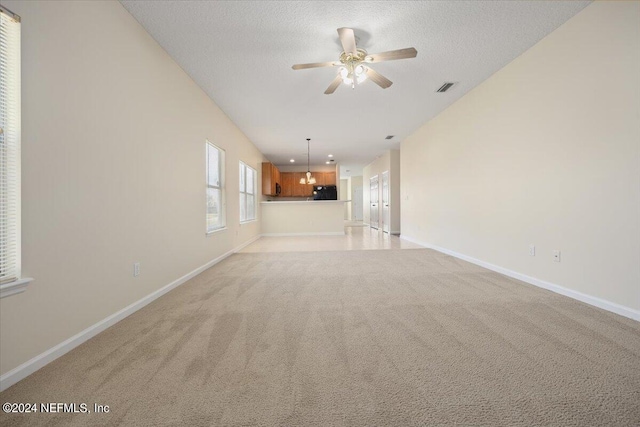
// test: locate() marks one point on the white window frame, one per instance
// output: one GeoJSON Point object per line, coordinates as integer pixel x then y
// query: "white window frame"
{"type": "Point", "coordinates": [220, 186]}
{"type": "Point", "coordinates": [246, 195]}
{"type": "Point", "coordinates": [11, 280]}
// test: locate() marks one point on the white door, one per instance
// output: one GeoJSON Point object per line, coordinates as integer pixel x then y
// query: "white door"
{"type": "Point", "coordinates": [356, 204]}
{"type": "Point", "coordinates": [373, 186]}
{"type": "Point", "coordinates": [385, 201]}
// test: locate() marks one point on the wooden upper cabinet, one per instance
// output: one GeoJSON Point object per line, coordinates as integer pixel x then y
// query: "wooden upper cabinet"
{"type": "Point", "coordinates": [329, 178]}
{"type": "Point", "coordinates": [286, 179]}
{"type": "Point", "coordinates": [291, 187]}
{"type": "Point", "coordinates": [270, 176]}
{"type": "Point", "coordinates": [299, 190]}
{"type": "Point", "coordinates": [308, 189]}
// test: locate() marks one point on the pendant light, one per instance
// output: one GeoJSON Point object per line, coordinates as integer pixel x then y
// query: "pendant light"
{"type": "Point", "coordinates": [309, 180]}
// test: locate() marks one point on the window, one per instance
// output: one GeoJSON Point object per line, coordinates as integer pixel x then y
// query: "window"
{"type": "Point", "coordinates": [215, 188]}
{"type": "Point", "coordinates": [247, 193]}
{"type": "Point", "coordinates": [11, 281]}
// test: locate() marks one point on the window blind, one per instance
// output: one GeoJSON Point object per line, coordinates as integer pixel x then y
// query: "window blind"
{"type": "Point", "coordinates": [9, 147]}
{"type": "Point", "coordinates": [215, 217]}
{"type": "Point", "coordinates": [247, 193]}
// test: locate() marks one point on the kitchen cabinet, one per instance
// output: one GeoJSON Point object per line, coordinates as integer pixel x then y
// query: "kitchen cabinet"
{"type": "Point", "coordinates": [270, 177]}
{"type": "Point", "coordinates": [319, 176]}
{"type": "Point", "coordinates": [286, 181]}
{"type": "Point", "coordinates": [301, 190]}
{"type": "Point", "coordinates": [325, 178]}
{"type": "Point", "coordinates": [330, 178]}
{"type": "Point", "coordinates": [291, 187]}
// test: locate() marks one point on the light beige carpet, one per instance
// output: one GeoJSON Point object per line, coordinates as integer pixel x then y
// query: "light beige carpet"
{"type": "Point", "coordinates": [363, 338]}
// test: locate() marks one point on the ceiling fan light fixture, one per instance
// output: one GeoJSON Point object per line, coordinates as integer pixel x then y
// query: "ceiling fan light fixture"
{"type": "Point", "coordinates": [361, 78]}
{"type": "Point", "coordinates": [352, 70]}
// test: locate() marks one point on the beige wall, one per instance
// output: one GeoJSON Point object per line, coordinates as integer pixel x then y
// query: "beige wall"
{"type": "Point", "coordinates": [545, 152]}
{"type": "Point", "coordinates": [113, 136]}
{"type": "Point", "coordinates": [349, 206]}
{"type": "Point", "coordinates": [389, 161]}
{"type": "Point", "coordinates": [343, 195]}
{"type": "Point", "coordinates": [301, 217]}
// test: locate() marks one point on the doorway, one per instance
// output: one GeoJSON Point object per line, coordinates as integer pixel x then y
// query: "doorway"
{"type": "Point", "coordinates": [385, 202]}
{"type": "Point", "coordinates": [373, 188]}
{"type": "Point", "coordinates": [356, 204]}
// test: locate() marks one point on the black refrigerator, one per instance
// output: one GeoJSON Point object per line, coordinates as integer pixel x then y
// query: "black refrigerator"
{"type": "Point", "coordinates": [325, 192]}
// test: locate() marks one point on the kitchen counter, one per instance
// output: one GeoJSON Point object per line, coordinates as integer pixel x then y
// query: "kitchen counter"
{"type": "Point", "coordinates": [269, 202]}
{"type": "Point", "coordinates": [302, 217]}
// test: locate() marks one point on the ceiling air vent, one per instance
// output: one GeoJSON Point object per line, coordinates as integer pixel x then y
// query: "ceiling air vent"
{"type": "Point", "coordinates": [389, 136]}
{"type": "Point", "coordinates": [445, 87]}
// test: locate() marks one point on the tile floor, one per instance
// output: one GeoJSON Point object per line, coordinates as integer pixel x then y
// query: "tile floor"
{"type": "Point", "coordinates": [357, 237]}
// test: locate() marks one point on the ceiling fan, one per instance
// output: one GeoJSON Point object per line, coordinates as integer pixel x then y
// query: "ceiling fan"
{"type": "Point", "coordinates": [354, 63]}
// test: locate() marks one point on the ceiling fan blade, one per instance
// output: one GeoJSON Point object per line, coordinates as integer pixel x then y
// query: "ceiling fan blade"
{"type": "Point", "coordinates": [378, 78]}
{"type": "Point", "coordinates": [348, 40]}
{"type": "Point", "coordinates": [391, 55]}
{"type": "Point", "coordinates": [334, 85]}
{"type": "Point", "coordinates": [315, 65]}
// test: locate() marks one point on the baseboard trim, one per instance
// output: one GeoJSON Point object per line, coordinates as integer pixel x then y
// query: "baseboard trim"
{"type": "Point", "coordinates": [319, 233]}
{"type": "Point", "coordinates": [13, 376]}
{"type": "Point", "coordinates": [587, 299]}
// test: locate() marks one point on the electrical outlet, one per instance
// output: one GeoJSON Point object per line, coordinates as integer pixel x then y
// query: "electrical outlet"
{"type": "Point", "coordinates": [532, 250]}
{"type": "Point", "coordinates": [136, 269]}
{"type": "Point", "coordinates": [556, 256]}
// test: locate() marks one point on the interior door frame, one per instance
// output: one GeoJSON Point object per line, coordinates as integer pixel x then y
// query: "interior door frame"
{"type": "Point", "coordinates": [384, 204]}
{"type": "Point", "coordinates": [374, 206]}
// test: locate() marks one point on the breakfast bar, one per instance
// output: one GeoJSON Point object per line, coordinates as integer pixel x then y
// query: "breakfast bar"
{"type": "Point", "coordinates": [299, 218]}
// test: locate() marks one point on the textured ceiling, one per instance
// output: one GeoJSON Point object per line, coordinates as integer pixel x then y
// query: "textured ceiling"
{"type": "Point", "coordinates": [241, 53]}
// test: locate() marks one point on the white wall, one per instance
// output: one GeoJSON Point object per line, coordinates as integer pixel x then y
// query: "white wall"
{"type": "Point", "coordinates": [353, 183]}
{"type": "Point", "coordinates": [545, 152]}
{"type": "Point", "coordinates": [113, 135]}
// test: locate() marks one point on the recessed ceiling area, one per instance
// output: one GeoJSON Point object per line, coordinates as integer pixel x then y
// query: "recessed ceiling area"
{"type": "Point", "coordinates": [241, 53]}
